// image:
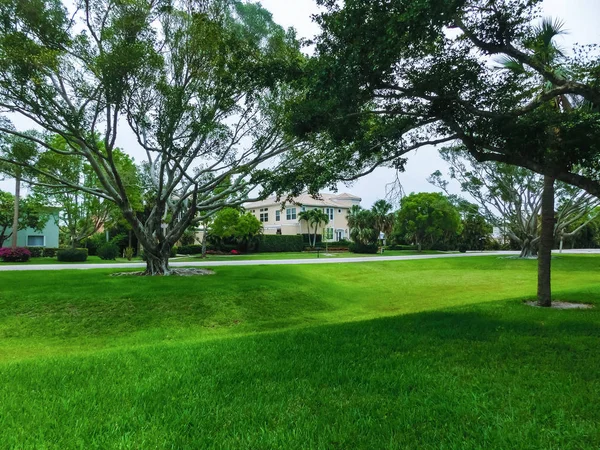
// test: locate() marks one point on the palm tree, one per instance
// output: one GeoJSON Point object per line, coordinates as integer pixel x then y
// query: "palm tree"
{"type": "Point", "coordinates": [362, 226]}
{"type": "Point", "coordinates": [307, 217]}
{"type": "Point", "coordinates": [318, 218]}
{"type": "Point", "coordinates": [383, 217]}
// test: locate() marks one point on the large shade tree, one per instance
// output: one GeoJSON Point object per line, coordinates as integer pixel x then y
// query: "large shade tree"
{"type": "Point", "coordinates": [389, 77]}
{"type": "Point", "coordinates": [199, 85]}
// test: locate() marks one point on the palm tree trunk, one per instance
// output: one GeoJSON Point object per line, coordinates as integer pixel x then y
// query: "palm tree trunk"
{"type": "Point", "coordinates": [544, 293]}
{"type": "Point", "coordinates": [15, 225]}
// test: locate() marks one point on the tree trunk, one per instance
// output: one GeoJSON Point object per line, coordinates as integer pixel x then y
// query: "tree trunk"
{"type": "Point", "coordinates": [544, 293]}
{"type": "Point", "coordinates": [204, 243]}
{"type": "Point", "coordinates": [528, 249]}
{"type": "Point", "coordinates": [15, 225]}
{"type": "Point", "coordinates": [157, 263]}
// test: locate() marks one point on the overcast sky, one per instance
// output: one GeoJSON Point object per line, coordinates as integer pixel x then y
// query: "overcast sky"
{"type": "Point", "coordinates": [581, 21]}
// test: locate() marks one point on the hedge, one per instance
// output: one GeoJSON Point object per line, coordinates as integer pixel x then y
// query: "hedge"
{"type": "Point", "coordinates": [50, 252]}
{"type": "Point", "coordinates": [72, 254]}
{"type": "Point", "coordinates": [36, 252]}
{"type": "Point", "coordinates": [362, 248]}
{"type": "Point", "coordinates": [272, 243]}
{"type": "Point", "coordinates": [401, 247]}
{"type": "Point", "coordinates": [308, 239]}
{"type": "Point", "coordinates": [189, 249]}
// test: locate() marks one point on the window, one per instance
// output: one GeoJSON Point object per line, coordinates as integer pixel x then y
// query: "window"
{"type": "Point", "coordinates": [329, 212]}
{"type": "Point", "coordinates": [290, 213]}
{"type": "Point", "coordinates": [303, 209]}
{"type": "Point", "coordinates": [264, 215]}
{"type": "Point", "coordinates": [277, 216]}
{"type": "Point", "coordinates": [329, 233]}
{"type": "Point", "coordinates": [35, 241]}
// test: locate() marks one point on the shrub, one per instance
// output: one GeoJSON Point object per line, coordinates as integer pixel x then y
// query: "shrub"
{"type": "Point", "coordinates": [189, 249]}
{"type": "Point", "coordinates": [441, 247]}
{"type": "Point", "coordinates": [49, 252]}
{"type": "Point", "coordinates": [36, 252]}
{"type": "Point", "coordinates": [234, 252]}
{"type": "Point", "coordinates": [363, 248]}
{"type": "Point", "coordinates": [463, 248]}
{"type": "Point", "coordinates": [341, 244]}
{"type": "Point", "coordinates": [72, 254]}
{"type": "Point", "coordinates": [308, 238]}
{"type": "Point", "coordinates": [108, 251]}
{"type": "Point", "coordinates": [277, 243]}
{"type": "Point", "coordinates": [19, 254]}
{"type": "Point", "coordinates": [93, 242]}
{"type": "Point", "coordinates": [402, 247]}
{"type": "Point", "coordinates": [492, 244]}
{"type": "Point", "coordinates": [129, 252]}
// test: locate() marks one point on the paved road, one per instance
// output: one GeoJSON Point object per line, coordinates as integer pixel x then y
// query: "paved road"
{"type": "Point", "coordinates": [226, 262]}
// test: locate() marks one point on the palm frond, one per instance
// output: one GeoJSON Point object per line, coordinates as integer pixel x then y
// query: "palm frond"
{"type": "Point", "coordinates": [508, 63]}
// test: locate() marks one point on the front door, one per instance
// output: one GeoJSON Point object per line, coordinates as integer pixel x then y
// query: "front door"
{"type": "Point", "coordinates": [339, 235]}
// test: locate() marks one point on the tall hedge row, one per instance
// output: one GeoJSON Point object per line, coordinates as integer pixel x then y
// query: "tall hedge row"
{"type": "Point", "coordinates": [280, 243]}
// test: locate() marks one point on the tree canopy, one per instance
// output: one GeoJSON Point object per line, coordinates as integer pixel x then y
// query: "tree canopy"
{"type": "Point", "coordinates": [427, 218]}
{"type": "Point", "coordinates": [389, 77]}
{"type": "Point", "coordinates": [201, 86]}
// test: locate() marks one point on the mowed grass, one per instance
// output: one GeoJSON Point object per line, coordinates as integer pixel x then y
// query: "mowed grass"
{"type": "Point", "coordinates": [90, 260]}
{"type": "Point", "coordinates": [304, 255]}
{"type": "Point", "coordinates": [412, 354]}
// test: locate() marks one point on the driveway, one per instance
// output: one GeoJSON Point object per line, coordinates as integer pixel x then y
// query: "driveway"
{"type": "Point", "coordinates": [268, 262]}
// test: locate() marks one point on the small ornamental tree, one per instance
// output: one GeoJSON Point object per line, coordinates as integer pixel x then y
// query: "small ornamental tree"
{"type": "Point", "coordinates": [230, 226]}
{"type": "Point", "coordinates": [427, 218]}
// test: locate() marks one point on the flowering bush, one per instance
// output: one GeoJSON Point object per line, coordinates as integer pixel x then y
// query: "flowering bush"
{"type": "Point", "coordinates": [234, 252]}
{"type": "Point", "coordinates": [18, 254]}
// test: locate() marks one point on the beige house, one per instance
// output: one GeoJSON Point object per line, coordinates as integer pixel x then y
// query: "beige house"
{"type": "Point", "coordinates": [279, 219]}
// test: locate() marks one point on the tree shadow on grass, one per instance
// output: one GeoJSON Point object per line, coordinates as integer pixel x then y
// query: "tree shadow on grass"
{"type": "Point", "coordinates": [494, 375]}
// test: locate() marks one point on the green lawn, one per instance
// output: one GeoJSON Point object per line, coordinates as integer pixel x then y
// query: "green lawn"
{"type": "Point", "coordinates": [90, 260]}
{"type": "Point", "coordinates": [306, 255]}
{"type": "Point", "coordinates": [412, 354]}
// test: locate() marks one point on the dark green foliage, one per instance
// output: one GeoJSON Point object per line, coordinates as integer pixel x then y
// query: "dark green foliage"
{"type": "Point", "coordinates": [429, 219]}
{"type": "Point", "coordinates": [72, 254]}
{"type": "Point", "coordinates": [308, 238]}
{"type": "Point", "coordinates": [341, 244]}
{"type": "Point", "coordinates": [402, 247]}
{"type": "Point", "coordinates": [50, 252]}
{"type": "Point", "coordinates": [463, 248]}
{"type": "Point", "coordinates": [189, 249]}
{"type": "Point", "coordinates": [363, 248]}
{"type": "Point", "coordinates": [231, 230]}
{"type": "Point", "coordinates": [36, 252]}
{"type": "Point", "coordinates": [280, 243]}
{"type": "Point", "coordinates": [108, 251]}
{"type": "Point", "coordinates": [93, 242]}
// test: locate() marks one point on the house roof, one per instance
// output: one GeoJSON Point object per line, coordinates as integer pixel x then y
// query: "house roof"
{"type": "Point", "coordinates": [344, 200]}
